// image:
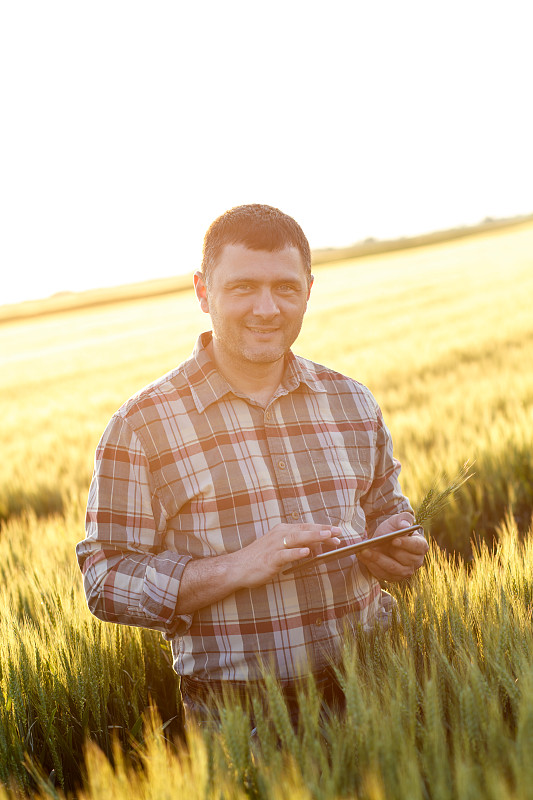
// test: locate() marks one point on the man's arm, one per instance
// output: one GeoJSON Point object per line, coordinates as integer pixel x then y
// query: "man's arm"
{"type": "Point", "coordinates": [208, 580]}
{"type": "Point", "coordinates": [387, 509]}
{"type": "Point", "coordinates": [129, 576]}
{"type": "Point", "coordinates": [131, 579]}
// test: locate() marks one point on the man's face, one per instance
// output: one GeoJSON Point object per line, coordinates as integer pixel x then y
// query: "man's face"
{"type": "Point", "coordinates": [256, 300]}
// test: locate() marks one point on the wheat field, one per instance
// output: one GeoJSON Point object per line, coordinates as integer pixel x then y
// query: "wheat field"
{"type": "Point", "coordinates": [442, 707]}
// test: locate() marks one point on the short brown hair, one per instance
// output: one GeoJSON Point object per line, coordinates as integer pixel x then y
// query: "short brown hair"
{"type": "Point", "coordinates": [257, 227]}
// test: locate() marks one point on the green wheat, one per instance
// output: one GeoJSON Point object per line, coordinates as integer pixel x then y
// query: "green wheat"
{"type": "Point", "coordinates": [439, 706]}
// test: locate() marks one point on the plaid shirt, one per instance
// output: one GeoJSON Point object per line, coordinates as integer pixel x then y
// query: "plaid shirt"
{"type": "Point", "coordinates": [189, 468]}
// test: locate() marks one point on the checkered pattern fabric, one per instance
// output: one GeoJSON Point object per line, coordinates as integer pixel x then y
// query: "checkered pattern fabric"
{"type": "Point", "coordinates": [188, 468]}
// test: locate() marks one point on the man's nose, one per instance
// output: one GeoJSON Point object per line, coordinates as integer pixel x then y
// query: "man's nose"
{"type": "Point", "coordinates": [265, 304]}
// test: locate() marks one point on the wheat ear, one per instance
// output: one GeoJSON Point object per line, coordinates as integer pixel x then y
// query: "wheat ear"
{"type": "Point", "coordinates": [435, 500]}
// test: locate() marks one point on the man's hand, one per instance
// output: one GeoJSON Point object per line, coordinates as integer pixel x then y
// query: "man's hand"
{"type": "Point", "coordinates": [398, 559]}
{"type": "Point", "coordinates": [261, 561]}
{"type": "Point", "coordinates": [207, 580]}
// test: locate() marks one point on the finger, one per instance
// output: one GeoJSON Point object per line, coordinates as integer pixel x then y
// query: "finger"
{"type": "Point", "coordinates": [414, 557]}
{"type": "Point", "coordinates": [394, 523]}
{"type": "Point", "coordinates": [293, 554]}
{"type": "Point", "coordinates": [413, 560]}
{"type": "Point", "coordinates": [312, 527]}
{"type": "Point", "coordinates": [406, 519]}
{"type": "Point", "coordinates": [406, 551]}
{"type": "Point", "coordinates": [412, 544]}
{"type": "Point", "coordinates": [391, 575]}
{"type": "Point", "coordinates": [386, 568]}
{"type": "Point", "coordinates": [329, 545]}
{"type": "Point", "coordinates": [403, 520]}
{"type": "Point", "coordinates": [307, 538]}
{"type": "Point", "coordinates": [386, 556]}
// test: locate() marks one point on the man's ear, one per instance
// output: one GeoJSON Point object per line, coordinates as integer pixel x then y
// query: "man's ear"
{"type": "Point", "coordinates": [311, 281]}
{"type": "Point", "coordinates": [201, 291]}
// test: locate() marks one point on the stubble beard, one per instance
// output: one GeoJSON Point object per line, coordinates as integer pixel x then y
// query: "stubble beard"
{"type": "Point", "coordinates": [239, 351]}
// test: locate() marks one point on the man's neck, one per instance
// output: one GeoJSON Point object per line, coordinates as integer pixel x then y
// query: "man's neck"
{"type": "Point", "coordinates": [259, 381]}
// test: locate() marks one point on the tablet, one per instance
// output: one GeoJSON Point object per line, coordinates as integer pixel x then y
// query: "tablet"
{"type": "Point", "coordinates": [350, 549]}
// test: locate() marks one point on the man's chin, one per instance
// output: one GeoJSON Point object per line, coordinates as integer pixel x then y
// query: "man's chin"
{"type": "Point", "coordinates": [263, 355]}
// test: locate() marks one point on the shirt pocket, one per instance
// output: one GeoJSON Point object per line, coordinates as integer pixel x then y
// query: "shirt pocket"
{"type": "Point", "coordinates": [333, 485]}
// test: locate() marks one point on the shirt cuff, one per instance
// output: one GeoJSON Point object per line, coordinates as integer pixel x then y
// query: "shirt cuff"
{"type": "Point", "coordinates": [160, 591]}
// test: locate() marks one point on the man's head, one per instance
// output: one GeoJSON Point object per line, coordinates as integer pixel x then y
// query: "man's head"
{"type": "Point", "coordinates": [257, 227]}
{"type": "Point", "coordinates": [255, 284]}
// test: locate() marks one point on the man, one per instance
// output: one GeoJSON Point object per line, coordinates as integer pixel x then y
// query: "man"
{"type": "Point", "coordinates": [244, 460]}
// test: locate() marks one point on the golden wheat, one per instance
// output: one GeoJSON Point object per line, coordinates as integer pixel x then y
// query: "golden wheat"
{"type": "Point", "coordinates": [441, 705]}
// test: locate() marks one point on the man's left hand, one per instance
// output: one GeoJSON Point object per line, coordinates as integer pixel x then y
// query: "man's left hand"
{"type": "Point", "coordinates": [398, 559]}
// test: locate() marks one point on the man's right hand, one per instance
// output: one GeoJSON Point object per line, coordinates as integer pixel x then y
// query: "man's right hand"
{"type": "Point", "coordinates": [261, 561]}
{"type": "Point", "coordinates": [207, 580]}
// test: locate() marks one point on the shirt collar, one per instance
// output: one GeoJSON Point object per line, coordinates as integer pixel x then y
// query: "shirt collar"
{"type": "Point", "coordinates": [208, 386]}
{"type": "Point", "coordinates": [299, 370]}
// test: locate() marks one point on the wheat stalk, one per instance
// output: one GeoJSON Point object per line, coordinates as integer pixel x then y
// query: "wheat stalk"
{"type": "Point", "coordinates": [435, 500]}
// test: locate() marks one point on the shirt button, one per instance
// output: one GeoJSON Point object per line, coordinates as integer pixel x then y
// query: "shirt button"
{"type": "Point", "coordinates": [295, 515]}
{"type": "Point", "coordinates": [281, 464]}
{"type": "Point", "coordinates": [267, 415]}
{"type": "Point", "coordinates": [318, 621]}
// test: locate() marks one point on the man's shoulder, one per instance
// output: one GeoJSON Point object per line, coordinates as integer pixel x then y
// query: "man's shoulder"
{"type": "Point", "coordinates": [331, 380]}
{"type": "Point", "coordinates": [159, 392]}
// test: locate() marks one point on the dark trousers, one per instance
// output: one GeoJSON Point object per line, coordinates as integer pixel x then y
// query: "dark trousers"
{"type": "Point", "coordinates": [200, 698]}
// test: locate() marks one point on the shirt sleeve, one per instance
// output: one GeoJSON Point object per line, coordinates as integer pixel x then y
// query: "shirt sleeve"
{"type": "Point", "coordinates": [129, 576]}
{"type": "Point", "coordinates": [385, 497]}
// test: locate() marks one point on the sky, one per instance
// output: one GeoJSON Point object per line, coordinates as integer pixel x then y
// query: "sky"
{"type": "Point", "coordinates": [127, 127]}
